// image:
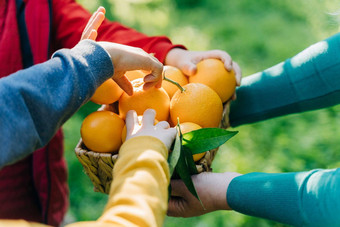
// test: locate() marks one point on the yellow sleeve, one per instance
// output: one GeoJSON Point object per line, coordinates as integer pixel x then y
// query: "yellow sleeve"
{"type": "Point", "coordinates": [139, 191]}
{"type": "Point", "coordinates": [20, 223]}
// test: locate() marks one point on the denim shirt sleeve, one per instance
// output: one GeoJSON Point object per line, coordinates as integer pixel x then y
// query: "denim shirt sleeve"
{"type": "Point", "coordinates": [35, 102]}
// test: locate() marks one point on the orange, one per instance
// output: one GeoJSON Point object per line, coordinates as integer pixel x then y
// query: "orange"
{"type": "Point", "coordinates": [188, 127]}
{"type": "Point", "coordinates": [101, 131]}
{"type": "Point", "coordinates": [139, 121]}
{"type": "Point", "coordinates": [153, 98]}
{"type": "Point", "coordinates": [135, 74]}
{"type": "Point", "coordinates": [212, 73]}
{"type": "Point", "coordinates": [107, 93]}
{"type": "Point", "coordinates": [176, 75]}
{"type": "Point", "coordinates": [198, 104]}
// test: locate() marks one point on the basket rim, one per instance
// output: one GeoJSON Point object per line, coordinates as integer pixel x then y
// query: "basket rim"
{"type": "Point", "coordinates": [99, 166]}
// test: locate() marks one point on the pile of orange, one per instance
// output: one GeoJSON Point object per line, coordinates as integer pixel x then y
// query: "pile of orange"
{"type": "Point", "coordinates": [198, 105]}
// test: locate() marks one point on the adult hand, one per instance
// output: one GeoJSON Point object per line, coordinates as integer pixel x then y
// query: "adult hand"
{"type": "Point", "coordinates": [161, 130]}
{"type": "Point", "coordinates": [186, 61]}
{"type": "Point", "coordinates": [211, 188]}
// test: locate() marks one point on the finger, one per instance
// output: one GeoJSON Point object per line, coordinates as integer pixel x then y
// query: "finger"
{"type": "Point", "coordinates": [100, 9]}
{"type": "Point", "coordinates": [228, 64]}
{"type": "Point", "coordinates": [172, 132]}
{"type": "Point", "coordinates": [95, 21]}
{"type": "Point", "coordinates": [149, 85]}
{"type": "Point", "coordinates": [238, 73]}
{"type": "Point", "coordinates": [148, 117]}
{"type": "Point", "coordinates": [159, 83]}
{"type": "Point", "coordinates": [189, 69]}
{"type": "Point", "coordinates": [153, 65]}
{"type": "Point", "coordinates": [93, 35]}
{"type": "Point", "coordinates": [90, 21]}
{"type": "Point", "coordinates": [98, 20]}
{"type": "Point", "coordinates": [87, 30]}
{"type": "Point", "coordinates": [93, 25]}
{"type": "Point", "coordinates": [163, 125]}
{"type": "Point", "coordinates": [131, 121]}
{"type": "Point", "coordinates": [150, 78]}
{"type": "Point", "coordinates": [155, 78]}
{"type": "Point", "coordinates": [124, 83]}
{"type": "Point", "coordinates": [152, 81]}
{"type": "Point", "coordinates": [222, 55]}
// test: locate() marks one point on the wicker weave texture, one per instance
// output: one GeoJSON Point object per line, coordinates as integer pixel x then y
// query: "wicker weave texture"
{"type": "Point", "coordinates": [99, 166]}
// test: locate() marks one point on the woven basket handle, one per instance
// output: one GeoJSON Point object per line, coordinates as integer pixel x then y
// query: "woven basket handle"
{"type": "Point", "coordinates": [225, 116]}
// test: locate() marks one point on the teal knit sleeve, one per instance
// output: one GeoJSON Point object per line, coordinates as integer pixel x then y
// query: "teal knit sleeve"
{"type": "Point", "coordinates": [308, 81]}
{"type": "Point", "coordinates": [299, 199]}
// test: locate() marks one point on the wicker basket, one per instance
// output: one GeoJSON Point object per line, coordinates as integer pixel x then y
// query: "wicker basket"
{"type": "Point", "coordinates": [98, 166]}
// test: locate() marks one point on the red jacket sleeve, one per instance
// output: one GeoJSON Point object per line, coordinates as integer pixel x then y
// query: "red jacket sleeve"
{"type": "Point", "coordinates": [70, 18]}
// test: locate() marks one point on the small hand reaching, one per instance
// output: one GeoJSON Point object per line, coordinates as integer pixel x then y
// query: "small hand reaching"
{"type": "Point", "coordinates": [91, 28]}
{"type": "Point", "coordinates": [187, 60]}
{"type": "Point", "coordinates": [161, 130]}
{"type": "Point", "coordinates": [125, 58]}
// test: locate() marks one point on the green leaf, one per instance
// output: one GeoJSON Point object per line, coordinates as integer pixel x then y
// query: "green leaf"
{"type": "Point", "coordinates": [184, 173]}
{"type": "Point", "coordinates": [205, 139]}
{"type": "Point", "coordinates": [189, 160]}
{"type": "Point", "coordinates": [174, 155]}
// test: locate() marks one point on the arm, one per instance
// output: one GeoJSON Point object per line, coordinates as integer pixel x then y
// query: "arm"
{"type": "Point", "coordinates": [308, 81]}
{"type": "Point", "coordinates": [139, 191]}
{"type": "Point", "coordinates": [34, 107]}
{"type": "Point", "coordinates": [41, 104]}
{"type": "Point", "coordinates": [70, 18]}
{"type": "Point", "coordinates": [138, 196]}
{"type": "Point", "coordinates": [299, 199]}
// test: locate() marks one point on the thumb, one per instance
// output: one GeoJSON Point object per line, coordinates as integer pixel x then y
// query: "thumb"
{"type": "Point", "coordinates": [124, 83]}
{"type": "Point", "coordinates": [189, 69]}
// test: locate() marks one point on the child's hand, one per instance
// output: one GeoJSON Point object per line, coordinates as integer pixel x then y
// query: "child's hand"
{"type": "Point", "coordinates": [126, 58]}
{"type": "Point", "coordinates": [186, 61]}
{"type": "Point", "coordinates": [161, 131]}
{"type": "Point", "coordinates": [90, 30]}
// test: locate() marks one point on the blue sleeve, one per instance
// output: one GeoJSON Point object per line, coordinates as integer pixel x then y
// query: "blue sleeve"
{"type": "Point", "coordinates": [299, 199]}
{"type": "Point", "coordinates": [308, 81]}
{"type": "Point", "coordinates": [35, 102]}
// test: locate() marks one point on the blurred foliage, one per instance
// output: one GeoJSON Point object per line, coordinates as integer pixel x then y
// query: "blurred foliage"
{"type": "Point", "coordinates": [257, 34]}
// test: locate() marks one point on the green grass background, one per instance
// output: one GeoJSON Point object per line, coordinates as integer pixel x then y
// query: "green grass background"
{"type": "Point", "coordinates": [257, 34]}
